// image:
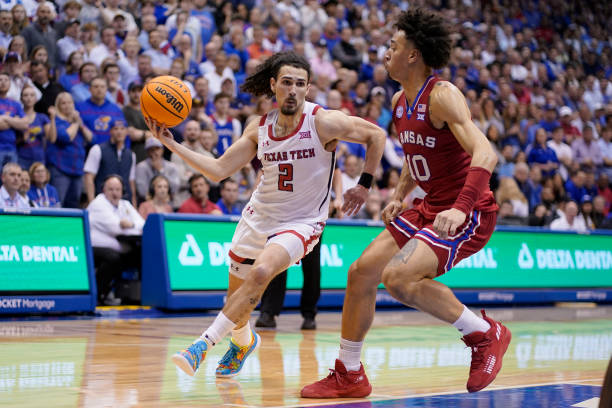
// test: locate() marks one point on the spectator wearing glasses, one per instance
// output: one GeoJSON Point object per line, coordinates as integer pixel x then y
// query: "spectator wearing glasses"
{"type": "Point", "coordinates": [41, 193]}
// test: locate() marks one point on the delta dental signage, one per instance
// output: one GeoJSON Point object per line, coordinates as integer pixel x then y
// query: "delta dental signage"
{"type": "Point", "coordinates": [42, 254]}
{"type": "Point", "coordinates": [544, 259]}
{"type": "Point", "coordinates": [537, 259]}
{"type": "Point", "coordinates": [190, 253]}
{"type": "Point", "coordinates": [36, 253]}
{"type": "Point", "coordinates": [197, 254]}
{"type": "Point", "coordinates": [197, 258]}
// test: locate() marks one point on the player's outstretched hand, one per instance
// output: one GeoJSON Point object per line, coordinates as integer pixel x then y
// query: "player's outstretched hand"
{"type": "Point", "coordinates": [391, 211]}
{"type": "Point", "coordinates": [159, 132]}
{"type": "Point", "coordinates": [354, 199]}
{"type": "Point", "coordinates": [447, 222]}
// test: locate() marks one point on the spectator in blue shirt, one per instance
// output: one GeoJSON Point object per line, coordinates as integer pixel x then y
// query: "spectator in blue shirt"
{"type": "Point", "coordinates": [543, 156]}
{"type": "Point", "coordinates": [66, 150]}
{"type": "Point", "coordinates": [506, 166]}
{"type": "Point", "coordinates": [229, 198]}
{"type": "Point", "coordinates": [41, 193]}
{"type": "Point", "coordinates": [237, 45]}
{"type": "Point", "coordinates": [574, 187]}
{"type": "Point", "coordinates": [80, 91]}
{"type": "Point", "coordinates": [206, 19]}
{"type": "Point", "coordinates": [201, 88]}
{"type": "Point", "coordinates": [550, 122]}
{"type": "Point", "coordinates": [71, 76]}
{"type": "Point", "coordinates": [535, 181]}
{"type": "Point", "coordinates": [31, 145]}
{"type": "Point", "coordinates": [98, 112]}
{"type": "Point", "coordinates": [11, 119]}
{"type": "Point", "coordinates": [184, 51]}
{"type": "Point", "coordinates": [366, 72]}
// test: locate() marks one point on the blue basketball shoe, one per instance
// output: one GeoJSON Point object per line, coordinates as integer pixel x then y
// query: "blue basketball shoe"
{"type": "Point", "coordinates": [232, 361]}
{"type": "Point", "coordinates": [190, 359]}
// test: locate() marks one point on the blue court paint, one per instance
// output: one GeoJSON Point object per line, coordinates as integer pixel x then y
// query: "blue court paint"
{"type": "Point", "coordinates": [547, 396]}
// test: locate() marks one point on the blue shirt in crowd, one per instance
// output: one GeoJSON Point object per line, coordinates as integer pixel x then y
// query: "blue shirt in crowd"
{"type": "Point", "coordinates": [207, 24]}
{"type": "Point", "coordinates": [549, 126]}
{"type": "Point", "coordinates": [225, 134]}
{"type": "Point", "coordinates": [235, 210]}
{"type": "Point", "coordinates": [543, 155]}
{"type": "Point", "coordinates": [69, 80]}
{"type": "Point", "coordinates": [98, 117]}
{"type": "Point", "coordinates": [32, 148]}
{"type": "Point", "coordinates": [8, 136]}
{"type": "Point", "coordinates": [574, 192]}
{"type": "Point", "coordinates": [68, 156]}
{"type": "Point", "coordinates": [44, 197]}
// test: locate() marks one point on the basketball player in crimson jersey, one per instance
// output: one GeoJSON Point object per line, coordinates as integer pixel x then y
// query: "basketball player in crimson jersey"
{"type": "Point", "coordinates": [287, 212]}
{"type": "Point", "coordinates": [448, 157]}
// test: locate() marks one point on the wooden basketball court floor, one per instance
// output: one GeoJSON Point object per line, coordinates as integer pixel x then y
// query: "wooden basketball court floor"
{"type": "Point", "coordinates": [557, 358]}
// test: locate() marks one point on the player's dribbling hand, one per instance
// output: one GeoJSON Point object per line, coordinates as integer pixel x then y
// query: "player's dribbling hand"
{"type": "Point", "coordinates": [161, 133]}
{"type": "Point", "coordinates": [391, 211]}
{"type": "Point", "coordinates": [354, 199]}
{"type": "Point", "coordinates": [447, 222]}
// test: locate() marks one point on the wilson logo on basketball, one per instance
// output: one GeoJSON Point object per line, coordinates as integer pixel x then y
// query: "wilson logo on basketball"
{"type": "Point", "coordinates": [166, 100]}
{"type": "Point", "coordinates": [170, 99]}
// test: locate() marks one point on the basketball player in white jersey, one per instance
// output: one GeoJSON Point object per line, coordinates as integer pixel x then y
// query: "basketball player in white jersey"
{"type": "Point", "coordinates": [287, 212]}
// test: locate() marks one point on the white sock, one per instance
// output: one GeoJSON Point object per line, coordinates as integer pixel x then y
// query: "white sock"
{"type": "Point", "coordinates": [350, 354]}
{"type": "Point", "coordinates": [218, 330]}
{"type": "Point", "coordinates": [468, 323]}
{"type": "Point", "coordinates": [242, 336]}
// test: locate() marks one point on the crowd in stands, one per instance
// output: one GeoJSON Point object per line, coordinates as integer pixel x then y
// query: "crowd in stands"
{"type": "Point", "coordinates": [536, 76]}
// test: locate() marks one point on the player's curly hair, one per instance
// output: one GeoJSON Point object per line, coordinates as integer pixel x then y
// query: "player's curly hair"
{"type": "Point", "coordinates": [430, 34]}
{"type": "Point", "coordinates": [259, 83]}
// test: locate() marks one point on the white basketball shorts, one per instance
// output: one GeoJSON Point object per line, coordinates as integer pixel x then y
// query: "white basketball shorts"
{"type": "Point", "coordinates": [252, 236]}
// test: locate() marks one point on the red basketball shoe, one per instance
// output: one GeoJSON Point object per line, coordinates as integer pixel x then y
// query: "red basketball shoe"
{"type": "Point", "coordinates": [340, 383]}
{"type": "Point", "coordinates": [487, 353]}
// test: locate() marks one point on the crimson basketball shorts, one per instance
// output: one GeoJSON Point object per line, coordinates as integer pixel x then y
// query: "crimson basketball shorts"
{"type": "Point", "coordinates": [470, 238]}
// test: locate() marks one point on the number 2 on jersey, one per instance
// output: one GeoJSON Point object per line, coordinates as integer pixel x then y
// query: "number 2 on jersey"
{"type": "Point", "coordinates": [418, 167]}
{"type": "Point", "coordinates": [285, 177]}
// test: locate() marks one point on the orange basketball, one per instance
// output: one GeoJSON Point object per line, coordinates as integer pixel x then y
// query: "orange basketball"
{"type": "Point", "coordinates": [166, 99]}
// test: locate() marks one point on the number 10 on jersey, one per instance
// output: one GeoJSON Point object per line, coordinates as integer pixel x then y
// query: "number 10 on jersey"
{"type": "Point", "coordinates": [419, 170]}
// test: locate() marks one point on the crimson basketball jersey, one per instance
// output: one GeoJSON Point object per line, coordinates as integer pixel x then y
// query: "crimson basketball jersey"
{"type": "Point", "coordinates": [297, 171]}
{"type": "Point", "coordinates": [436, 160]}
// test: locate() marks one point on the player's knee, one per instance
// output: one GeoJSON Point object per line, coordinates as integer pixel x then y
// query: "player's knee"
{"type": "Point", "coordinates": [392, 279]}
{"type": "Point", "coordinates": [402, 285]}
{"type": "Point", "coordinates": [360, 274]}
{"type": "Point", "coordinates": [396, 280]}
{"type": "Point", "coordinates": [262, 274]}
{"type": "Point", "coordinates": [353, 272]}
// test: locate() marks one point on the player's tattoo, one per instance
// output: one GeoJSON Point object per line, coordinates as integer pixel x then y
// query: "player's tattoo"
{"type": "Point", "coordinates": [404, 254]}
{"type": "Point", "coordinates": [253, 301]}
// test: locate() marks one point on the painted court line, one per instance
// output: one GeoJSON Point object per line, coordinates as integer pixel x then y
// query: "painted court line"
{"type": "Point", "coordinates": [379, 397]}
{"type": "Point", "coordinates": [586, 380]}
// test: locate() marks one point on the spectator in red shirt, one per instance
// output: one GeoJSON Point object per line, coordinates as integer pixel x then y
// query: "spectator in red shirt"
{"type": "Point", "coordinates": [603, 189]}
{"type": "Point", "coordinates": [521, 91]}
{"type": "Point", "coordinates": [571, 131]}
{"type": "Point", "coordinates": [256, 49]}
{"type": "Point", "coordinates": [199, 203]}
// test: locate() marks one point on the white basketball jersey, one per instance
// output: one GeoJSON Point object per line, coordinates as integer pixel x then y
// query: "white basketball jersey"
{"type": "Point", "coordinates": [297, 171]}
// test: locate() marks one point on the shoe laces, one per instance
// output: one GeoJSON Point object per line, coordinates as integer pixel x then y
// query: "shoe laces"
{"type": "Point", "coordinates": [477, 355]}
{"type": "Point", "coordinates": [231, 355]}
{"type": "Point", "coordinates": [197, 350]}
{"type": "Point", "coordinates": [333, 376]}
